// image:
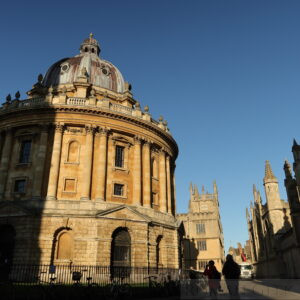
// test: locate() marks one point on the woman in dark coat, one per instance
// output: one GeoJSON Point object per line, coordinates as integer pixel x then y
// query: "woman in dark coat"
{"type": "Point", "coordinates": [213, 279]}
{"type": "Point", "coordinates": [231, 271]}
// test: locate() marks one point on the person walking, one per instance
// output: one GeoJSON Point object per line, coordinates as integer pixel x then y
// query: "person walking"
{"type": "Point", "coordinates": [214, 278]}
{"type": "Point", "coordinates": [231, 271]}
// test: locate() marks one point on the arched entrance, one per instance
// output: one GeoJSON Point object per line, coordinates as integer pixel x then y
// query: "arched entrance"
{"type": "Point", "coordinates": [120, 253]}
{"type": "Point", "coordinates": [7, 243]}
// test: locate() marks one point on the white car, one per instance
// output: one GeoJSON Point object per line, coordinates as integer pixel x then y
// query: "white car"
{"type": "Point", "coordinates": [246, 270]}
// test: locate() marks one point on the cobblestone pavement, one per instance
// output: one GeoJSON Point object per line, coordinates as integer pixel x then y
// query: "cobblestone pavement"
{"type": "Point", "coordinates": [256, 289]}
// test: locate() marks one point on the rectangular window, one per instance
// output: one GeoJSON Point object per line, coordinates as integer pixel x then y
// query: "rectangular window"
{"type": "Point", "coordinates": [25, 152]}
{"type": "Point", "coordinates": [201, 245]}
{"type": "Point", "coordinates": [200, 228]}
{"type": "Point", "coordinates": [20, 185]}
{"type": "Point", "coordinates": [202, 264]}
{"type": "Point", "coordinates": [118, 189]}
{"type": "Point", "coordinates": [119, 160]}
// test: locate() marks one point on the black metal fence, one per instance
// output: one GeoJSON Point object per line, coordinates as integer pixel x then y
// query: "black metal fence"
{"type": "Point", "coordinates": [79, 274]}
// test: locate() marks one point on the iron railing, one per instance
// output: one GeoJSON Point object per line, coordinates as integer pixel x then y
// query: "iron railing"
{"type": "Point", "coordinates": [100, 275]}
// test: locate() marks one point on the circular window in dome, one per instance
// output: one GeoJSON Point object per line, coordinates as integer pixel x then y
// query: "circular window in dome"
{"type": "Point", "coordinates": [105, 71]}
{"type": "Point", "coordinates": [65, 67]}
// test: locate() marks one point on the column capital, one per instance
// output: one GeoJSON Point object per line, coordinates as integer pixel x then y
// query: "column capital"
{"type": "Point", "coordinates": [137, 140]}
{"type": "Point", "coordinates": [147, 142]}
{"type": "Point", "coordinates": [59, 127]}
{"type": "Point", "coordinates": [89, 129]}
{"type": "Point", "coordinates": [163, 150]}
{"type": "Point", "coordinates": [7, 129]}
{"type": "Point", "coordinates": [103, 131]}
{"type": "Point", "coordinates": [44, 127]}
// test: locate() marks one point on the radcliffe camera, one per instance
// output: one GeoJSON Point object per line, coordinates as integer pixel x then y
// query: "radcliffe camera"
{"type": "Point", "coordinates": [149, 150]}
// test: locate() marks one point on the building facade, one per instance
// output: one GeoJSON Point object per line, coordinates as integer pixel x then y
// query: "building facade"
{"type": "Point", "coordinates": [274, 227]}
{"type": "Point", "coordinates": [202, 229]}
{"type": "Point", "coordinates": [86, 175]}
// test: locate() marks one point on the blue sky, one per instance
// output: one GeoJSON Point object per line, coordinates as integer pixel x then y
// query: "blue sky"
{"type": "Point", "coordinates": [224, 74]}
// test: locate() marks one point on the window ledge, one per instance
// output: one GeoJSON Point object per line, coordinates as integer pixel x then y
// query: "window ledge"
{"type": "Point", "coordinates": [121, 169]}
{"type": "Point", "coordinates": [23, 164]}
{"type": "Point", "coordinates": [118, 196]}
{"type": "Point", "coordinates": [65, 192]}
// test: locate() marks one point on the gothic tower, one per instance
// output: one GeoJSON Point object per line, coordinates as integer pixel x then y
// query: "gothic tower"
{"type": "Point", "coordinates": [274, 203]}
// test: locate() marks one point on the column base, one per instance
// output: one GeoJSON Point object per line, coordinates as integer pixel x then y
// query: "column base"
{"type": "Point", "coordinates": [51, 198]}
{"type": "Point", "coordinates": [84, 199]}
{"type": "Point", "coordinates": [99, 200]}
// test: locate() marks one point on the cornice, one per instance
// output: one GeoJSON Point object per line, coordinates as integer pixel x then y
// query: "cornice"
{"type": "Point", "coordinates": [95, 111]}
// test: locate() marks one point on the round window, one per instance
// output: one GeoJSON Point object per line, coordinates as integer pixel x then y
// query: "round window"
{"type": "Point", "coordinates": [65, 67]}
{"type": "Point", "coordinates": [105, 71]}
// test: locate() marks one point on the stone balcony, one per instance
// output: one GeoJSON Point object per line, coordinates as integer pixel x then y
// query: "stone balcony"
{"type": "Point", "coordinates": [92, 102]}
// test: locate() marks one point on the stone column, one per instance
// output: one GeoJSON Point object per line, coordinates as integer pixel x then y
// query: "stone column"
{"type": "Point", "coordinates": [39, 169]}
{"type": "Point", "coordinates": [87, 171]}
{"type": "Point", "coordinates": [162, 181]}
{"type": "Point", "coordinates": [146, 175]}
{"type": "Point", "coordinates": [169, 185]}
{"type": "Point", "coordinates": [55, 162]}
{"type": "Point", "coordinates": [6, 153]}
{"type": "Point", "coordinates": [101, 165]}
{"type": "Point", "coordinates": [173, 189]}
{"type": "Point", "coordinates": [137, 172]}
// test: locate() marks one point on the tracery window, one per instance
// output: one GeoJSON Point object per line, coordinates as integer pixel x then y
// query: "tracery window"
{"type": "Point", "coordinates": [201, 245]}
{"type": "Point", "coordinates": [200, 228]}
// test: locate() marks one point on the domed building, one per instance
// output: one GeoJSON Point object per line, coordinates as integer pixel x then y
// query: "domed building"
{"type": "Point", "coordinates": [86, 175]}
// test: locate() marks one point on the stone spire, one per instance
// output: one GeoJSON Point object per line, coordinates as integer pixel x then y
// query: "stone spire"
{"type": "Point", "coordinates": [287, 169]}
{"type": "Point", "coordinates": [247, 215]}
{"type": "Point", "coordinates": [191, 189]}
{"type": "Point", "coordinates": [254, 191]}
{"type": "Point", "coordinates": [196, 191]}
{"type": "Point", "coordinates": [215, 187]}
{"type": "Point", "coordinates": [269, 176]}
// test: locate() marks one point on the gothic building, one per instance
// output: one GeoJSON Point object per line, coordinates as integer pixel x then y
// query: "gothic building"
{"type": "Point", "coordinates": [274, 227]}
{"type": "Point", "coordinates": [202, 230]}
{"type": "Point", "coordinates": [86, 175]}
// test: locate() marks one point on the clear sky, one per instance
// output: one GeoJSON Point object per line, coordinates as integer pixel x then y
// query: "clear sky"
{"type": "Point", "coordinates": [224, 74]}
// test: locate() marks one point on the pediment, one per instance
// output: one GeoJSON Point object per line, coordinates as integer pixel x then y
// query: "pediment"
{"type": "Point", "coordinates": [8, 209]}
{"type": "Point", "coordinates": [123, 212]}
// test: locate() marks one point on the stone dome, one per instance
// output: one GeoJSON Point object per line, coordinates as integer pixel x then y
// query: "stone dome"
{"type": "Point", "coordinates": [99, 72]}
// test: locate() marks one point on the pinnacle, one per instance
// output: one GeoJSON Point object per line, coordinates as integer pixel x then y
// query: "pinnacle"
{"type": "Point", "coordinates": [268, 172]}
{"type": "Point", "coordinates": [295, 143]}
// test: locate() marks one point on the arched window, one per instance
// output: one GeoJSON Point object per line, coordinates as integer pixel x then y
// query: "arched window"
{"type": "Point", "coordinates": [158, 252]}
{"type": "Point", "coordinates": [7, 243]}
{"type": "Point", "coordinates": [121, 248]}
{"type": "Point", "coordinates": [64, 246]}
{"type": "Point", "coordinates": [73, 152]}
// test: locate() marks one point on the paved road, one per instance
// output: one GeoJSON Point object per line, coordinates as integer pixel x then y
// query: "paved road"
{"type": "Point", "coordinates": [257, 289]}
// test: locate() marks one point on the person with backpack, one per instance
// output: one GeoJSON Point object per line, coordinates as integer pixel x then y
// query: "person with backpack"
{"type": "Point", "coordinates": [231, 270]}
{"type": "Point", "coordinates": [214, 277]}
